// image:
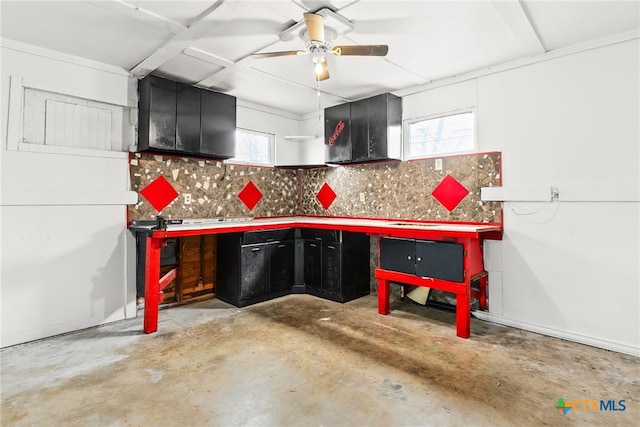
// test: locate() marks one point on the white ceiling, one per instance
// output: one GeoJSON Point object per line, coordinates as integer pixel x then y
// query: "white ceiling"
{"type": "Point", "coordinates": [208, 43]}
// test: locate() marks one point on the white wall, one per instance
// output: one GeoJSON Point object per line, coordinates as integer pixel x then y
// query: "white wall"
{"type": "Point", "coordinates": [568, 268]}
{"type": "Point", "coordinates": [280, 124]}
{"type": "Point", "coordinates": [62, 217]}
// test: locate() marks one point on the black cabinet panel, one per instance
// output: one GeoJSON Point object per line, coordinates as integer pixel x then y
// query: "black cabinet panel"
{"type": "Point", "coordinates": [331, 267]}
{"type": "Point", "coordinates": [398, 255]}
{"type": "Point", "coordinates": [157, 114]}
{"type": "Point", "coordinates": [255, 271]}
{"type": "Point", "coordinates": [228, 267]}
{"type": "Point", "coordinates": [313, 264]}
{"type": "Point", "coordinates": [360, 130]}
{"type": "Point", "coordinates": [385, 127]}
{"type": "Point", "coordinates": [187, 118]}
{"type": "Point", "coordinates": [440, 260]}
{"type": "Point", "coordinates": [218, 124]}
{"type": "Point", "coordinates": [337, 131]}
{"type": "Point", "coordinates": [281, 265]}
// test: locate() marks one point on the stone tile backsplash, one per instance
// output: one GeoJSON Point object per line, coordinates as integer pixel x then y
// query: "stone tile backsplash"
{"type": "Point", "coordinates": [375, 190]}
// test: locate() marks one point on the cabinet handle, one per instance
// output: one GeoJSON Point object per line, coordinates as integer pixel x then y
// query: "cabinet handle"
{"type": "Point", "coordinates": [255, 249]}
{"type": "Point", "coordinates": [409, 257]}
{"type": "Point", "coordinates": [282, 246]}
{"type": "Point", "coordinates": [313, 245]}
{"type": "Point", "coordinates": [419, 259]}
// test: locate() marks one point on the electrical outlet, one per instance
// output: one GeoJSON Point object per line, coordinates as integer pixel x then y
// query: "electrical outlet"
{"type": "Point", "coordinates": [438, 165]}
{"type": "Point", "coordinates": [187, 199]}
{"type": "Point", "coordinates": [362, 197]}
{"type": "Point", "coordinates": [555, 194]}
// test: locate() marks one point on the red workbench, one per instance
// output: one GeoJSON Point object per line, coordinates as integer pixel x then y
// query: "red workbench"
{"type": "Point", "coordinates": [469, 235]}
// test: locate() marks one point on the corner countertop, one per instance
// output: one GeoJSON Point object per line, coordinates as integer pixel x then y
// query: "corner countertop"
{"type": "Point", "coordinates": [382, 227]}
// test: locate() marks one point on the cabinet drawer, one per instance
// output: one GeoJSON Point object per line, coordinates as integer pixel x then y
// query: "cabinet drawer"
{"type": "Point", "coordinates": [319, 234]}
{"type": "Point", "coordinates": [251, 237]}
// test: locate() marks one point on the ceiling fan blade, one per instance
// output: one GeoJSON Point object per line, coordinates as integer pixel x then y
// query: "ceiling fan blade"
{"type": "Point", "coordinates": [361, 50]}
{"type": "Point", "coordinates": [324, 74]}
{"type": "Point", "coordinates": [276, 54]}
{"type": "Point", "coordinates": [315, 26]}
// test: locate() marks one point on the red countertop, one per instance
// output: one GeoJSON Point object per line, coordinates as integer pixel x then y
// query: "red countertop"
{"type": "Point", "coordinates": [384, 227]}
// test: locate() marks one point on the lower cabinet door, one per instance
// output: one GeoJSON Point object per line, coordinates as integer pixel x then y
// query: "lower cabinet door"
{"type": "Point", "coordinates": [282, 265]}
{"type": "Point", "coordinates": [331, 267]}
{"type": "Point", "coordinates": [313, 263]}
{"type": "Point", "coordinates": [255, 271]}
{"type": "Point", "coordinates": [398, 255]}
{"type": "Point", "coordinates": [440, 260]}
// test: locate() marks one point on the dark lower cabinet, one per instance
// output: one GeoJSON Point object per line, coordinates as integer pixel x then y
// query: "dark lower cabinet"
{"type": "Point", "coordinates": [254, 266]}
{"type": "Point", "coordinates": [424, 258]}
{"type": "Point", "coordinates": [336, 264]}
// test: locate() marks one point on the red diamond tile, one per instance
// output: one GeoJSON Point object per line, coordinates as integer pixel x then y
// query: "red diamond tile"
{"type": "Point", "coordinates": [326, 196]}
{"type": "Point", "coordinates": [250, 195]}
{"type": "Point", "coordinates": [449, 192]}
{"type": "Point", "coordinates": [159, 193]}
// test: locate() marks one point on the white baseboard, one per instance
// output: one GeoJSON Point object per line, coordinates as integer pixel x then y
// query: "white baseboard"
{"type": "Point", "coordinates": [543, 330]}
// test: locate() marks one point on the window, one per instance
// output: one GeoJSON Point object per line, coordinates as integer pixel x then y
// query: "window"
{"type": "Point", "coordinates": [49, 120]}
{"type": "Point", "coordinates": [440, 135]}
{"type": "Point", "coordinates": [253, 147]}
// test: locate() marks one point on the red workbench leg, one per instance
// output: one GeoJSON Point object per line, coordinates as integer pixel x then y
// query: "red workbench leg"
{"type": "Point", "coordinates": [152, 285]}
{"type": "Point", "coordinates": [483, 292]}
{"type": "Point", "coordinates": [383, 296]}
{"type": "Point", "coordinates": [463, 311]}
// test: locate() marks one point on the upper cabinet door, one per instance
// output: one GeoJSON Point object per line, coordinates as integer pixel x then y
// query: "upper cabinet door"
{"type": "Point", "coordinates": [360, 130]}
{"type": "Point", "coordinates": [218, 125]}
{"type": "Point", "coordinates": [157, 114]}
{"type": "Point", "coordinates": [188, 118]}
{"type": "Point", "coordinates": [337, 133]}
{"type": "Point", "coordinates": [385, 127]}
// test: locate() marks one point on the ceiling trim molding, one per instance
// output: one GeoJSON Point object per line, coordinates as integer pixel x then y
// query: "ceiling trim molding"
{"type": "Point", "coordinates": [59, 56]}
{"type": "Point", "coordinates": [520, 26]}
{"type": "Point", "coordinates": [139, 14]}
{"type": "Point", "coordinates": [554, 54]}
{"type": "Point", "coordinates": [198, 28]}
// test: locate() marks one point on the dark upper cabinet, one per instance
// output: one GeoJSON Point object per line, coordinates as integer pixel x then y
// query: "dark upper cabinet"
{"type": "Point", "coordinates": [375, 130]}
{"type": "Point", "coordinates": [183, 119]}
{"type": "Point", "coordinates": [337, 131]}
{"type": "Point", "coordinates": [157, 114]}
{"type": "Point", "coordinates": [218, 126]}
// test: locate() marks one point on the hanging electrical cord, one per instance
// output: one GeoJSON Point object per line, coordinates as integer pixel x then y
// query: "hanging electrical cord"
{"type": "Point", "coordinates": [540, 209]}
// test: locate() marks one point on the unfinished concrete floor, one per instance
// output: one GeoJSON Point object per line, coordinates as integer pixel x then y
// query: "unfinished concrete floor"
{"type": "Point", "coordinates": [304, 361]}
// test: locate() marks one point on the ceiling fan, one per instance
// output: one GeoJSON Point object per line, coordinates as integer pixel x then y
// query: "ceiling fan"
{"type": "Point", "coordinates": [318, 47]}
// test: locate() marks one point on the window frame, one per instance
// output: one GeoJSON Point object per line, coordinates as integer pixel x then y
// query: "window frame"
{"type": "Point", "coordinates": [272, 147]}
{"type": "Point", "coordinates": [406, 136]}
